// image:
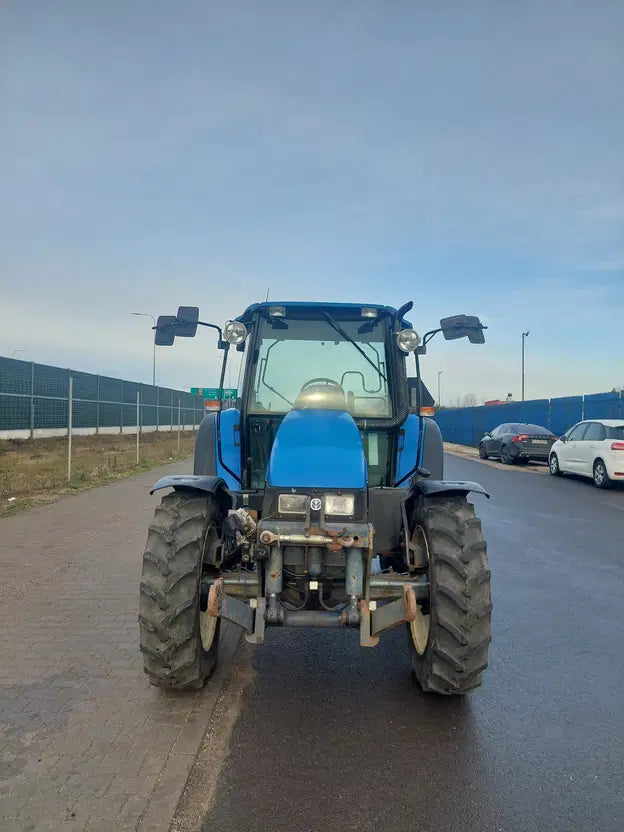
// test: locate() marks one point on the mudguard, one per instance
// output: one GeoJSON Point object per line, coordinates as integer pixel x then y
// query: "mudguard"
{"type": "Point", "coordinates": [429, 487]}
{"type": "Point", "coordinates": [211, 485]}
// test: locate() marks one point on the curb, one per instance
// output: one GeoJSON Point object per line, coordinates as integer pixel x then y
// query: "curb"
{"type": "Point", "coordinates": [470, 453]}
{"type": "Point", "coordinates": [169, 787]}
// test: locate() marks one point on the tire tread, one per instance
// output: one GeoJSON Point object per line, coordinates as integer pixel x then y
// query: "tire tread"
{"type": "Point", "coordinates": [460, 635]}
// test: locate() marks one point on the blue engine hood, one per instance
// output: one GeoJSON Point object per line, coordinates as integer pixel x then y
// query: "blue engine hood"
{"type": "Point", "coordinates": [317, 449]}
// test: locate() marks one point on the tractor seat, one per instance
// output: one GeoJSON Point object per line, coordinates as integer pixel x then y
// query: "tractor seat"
{"type": "Point", "coordinates": [321, 397]}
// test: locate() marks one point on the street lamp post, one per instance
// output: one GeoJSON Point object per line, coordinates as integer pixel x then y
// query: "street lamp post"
{"type": "Point", "coordinates": [524, 336]}
{"type": "Point", "coordinates": [149, 315]}
{"type": "Point", "coordinates": [439, 398]}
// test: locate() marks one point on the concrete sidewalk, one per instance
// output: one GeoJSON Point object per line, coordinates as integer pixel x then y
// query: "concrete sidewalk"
{"type": "Point", "coordinates": [468, 452]}
{"type": "Point", "coordinates": [86, 743]}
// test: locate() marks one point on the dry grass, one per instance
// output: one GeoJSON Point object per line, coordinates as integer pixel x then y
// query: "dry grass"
{"type": "Point", "coordinates": [34, 471]}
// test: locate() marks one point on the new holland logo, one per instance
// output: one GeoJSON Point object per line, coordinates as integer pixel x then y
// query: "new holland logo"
{"type": "Point", "coordinates": [315, 504]}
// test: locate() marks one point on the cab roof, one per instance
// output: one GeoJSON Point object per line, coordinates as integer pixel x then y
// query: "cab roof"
{"type": "Point", "coordinates": [351, 310]}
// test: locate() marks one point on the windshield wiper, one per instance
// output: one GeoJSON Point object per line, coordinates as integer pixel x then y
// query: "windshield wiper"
{"type": "Point", "coordinates": [263, 374]}
{"type": "Point", "coordinates": [348, 338]}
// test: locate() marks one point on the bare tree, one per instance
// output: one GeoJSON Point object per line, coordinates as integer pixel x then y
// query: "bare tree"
{"type": "Point", "coordinates": [470, 400]}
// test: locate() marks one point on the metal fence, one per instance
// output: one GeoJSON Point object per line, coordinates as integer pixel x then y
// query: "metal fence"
{"type": "Point", "coordinates": [466, 425]}
{"type": "Point", "coordinates": [35, 402]}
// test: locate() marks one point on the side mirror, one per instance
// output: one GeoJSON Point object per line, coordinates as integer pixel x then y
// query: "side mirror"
{"type": "Point", "coordinates": [182, 325]}
{"type": "Point", "coordinates": [563, 438]}
{"type": "Point", "coordinates": [487, 435]}
{"type": "Point", "coordinates": [463, 326]}
{"type": "Point", "coordinates": [165, 330]}
{"type": "Point", "coordinates": [187, 318]}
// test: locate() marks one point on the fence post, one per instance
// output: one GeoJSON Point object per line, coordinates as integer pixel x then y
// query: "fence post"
{"type": "Point", "coordinates": [583, 408]}
{"type": "Point", "coordinates": [178, 427]}
{"type": "Point", "coordinates": [138, 426]}
{"type": "Point", "coordinates": [121, 407]}
{"type": "Point", "coordinates": [97, 408]}
{"type": "Point", "coordinates": [69, 428]}
{"type": "Point", "coordinates": [32, 399]}
{"type": "Point", "coordinates": [157, 408]}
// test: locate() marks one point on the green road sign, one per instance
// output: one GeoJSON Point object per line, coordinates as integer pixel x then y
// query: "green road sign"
{"type": "Point", "coordinates": [230, 394]}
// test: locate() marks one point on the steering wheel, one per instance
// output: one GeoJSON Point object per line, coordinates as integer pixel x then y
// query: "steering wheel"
{"type": "Point", "coordinates": [328, 381]}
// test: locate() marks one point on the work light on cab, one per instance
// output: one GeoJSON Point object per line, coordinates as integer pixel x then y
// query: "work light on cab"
{"type": "Point", "coordinates": [408, 340]}
{"type": "Point", "coordinates": [235, 332]}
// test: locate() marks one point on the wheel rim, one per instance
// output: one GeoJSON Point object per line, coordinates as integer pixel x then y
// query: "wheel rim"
{"type": "Point", "coordinates": [554, 465]}
{"type": "Point", "coordinates": [420, 627]}
{"type": "Point", "coordinates": [208, 623]}
{"type": "Point", "coordinates": [207, 629]}
{"type": "Point", "coordinates": [599, 473]}
{"type": "Point", "coordinates": [504, 454]}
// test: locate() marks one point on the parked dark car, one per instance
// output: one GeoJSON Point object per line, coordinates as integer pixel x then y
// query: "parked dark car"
{"type": "Point", "coordinates": [514, 441]}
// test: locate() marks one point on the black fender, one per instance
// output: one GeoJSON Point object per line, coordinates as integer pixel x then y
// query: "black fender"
{"type": "Point", "coordinates": [428, 488]}
{"type": "Point", "coordinates": [194, 482]}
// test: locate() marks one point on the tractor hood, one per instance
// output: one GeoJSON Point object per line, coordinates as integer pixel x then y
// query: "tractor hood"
{"type": "Point", "coordinates": [316, 448]}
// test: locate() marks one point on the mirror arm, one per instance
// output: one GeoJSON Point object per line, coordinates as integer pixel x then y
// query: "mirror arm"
{"type": "Point", "coordinates": [212, 326]}
{"type": "Point", "coordinates": [222, 345]}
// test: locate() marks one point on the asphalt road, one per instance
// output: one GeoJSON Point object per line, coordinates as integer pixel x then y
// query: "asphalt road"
{"type": "Point", "coordinates": [328, 736]}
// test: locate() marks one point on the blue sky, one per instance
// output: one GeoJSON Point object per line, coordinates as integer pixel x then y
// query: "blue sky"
{"type": "Point", "coordinates": [467, 156]}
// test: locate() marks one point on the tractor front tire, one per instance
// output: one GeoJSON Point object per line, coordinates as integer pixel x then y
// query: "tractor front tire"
{"type": "Point", "coordinates": [181, 534]}
{"type": "Point", "coordinates": [450, 638]}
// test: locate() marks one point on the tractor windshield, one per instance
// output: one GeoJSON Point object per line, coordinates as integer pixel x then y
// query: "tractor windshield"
{"type": "Point", "coordinates": [296, 354]}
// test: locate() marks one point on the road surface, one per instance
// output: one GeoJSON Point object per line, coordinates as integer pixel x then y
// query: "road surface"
{"type": "Point", "coordinates": [329, 737]}
{"type": "Point", "coordinates": [310, 732]}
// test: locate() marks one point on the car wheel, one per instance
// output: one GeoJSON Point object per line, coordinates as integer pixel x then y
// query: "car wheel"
{"type": "Point", "coordinates": [506, 458]}
{"type": "Point", "coordinates": [601, 477]}
{"type": "Point", "coordinates": [482, 452]}
{"type": "Point", "coordinates": [553, 464]}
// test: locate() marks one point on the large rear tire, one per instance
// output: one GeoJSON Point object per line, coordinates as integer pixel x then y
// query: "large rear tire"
{"type": "Point", "coordinates": [181, 536]}
{"type": "Point", "coordinates": [450, 638]}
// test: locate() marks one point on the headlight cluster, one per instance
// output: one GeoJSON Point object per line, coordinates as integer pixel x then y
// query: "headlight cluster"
{"type": "Point", "coordinates": [342, 505]}
{"type": "Point", "coordinates": [292, 503]}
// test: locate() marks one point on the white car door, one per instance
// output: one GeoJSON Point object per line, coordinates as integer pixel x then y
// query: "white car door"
{"type": "Point", "coordinates": [569, 456]}
{"type": "Point", "coordinates": [590, 446]}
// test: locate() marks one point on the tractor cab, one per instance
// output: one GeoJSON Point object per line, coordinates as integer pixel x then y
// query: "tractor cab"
{"type": "Point", "coordinates": [313, 357]}
{"type": "Point", "coordinates": [324, 467]}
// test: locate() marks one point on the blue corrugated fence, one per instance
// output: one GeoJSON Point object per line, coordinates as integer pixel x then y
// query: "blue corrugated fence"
{"type": "Point", "coordinates": [466, 425]}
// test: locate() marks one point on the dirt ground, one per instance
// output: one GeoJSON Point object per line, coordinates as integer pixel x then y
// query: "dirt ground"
{"type": "Point", "coordinates": [34, 471]}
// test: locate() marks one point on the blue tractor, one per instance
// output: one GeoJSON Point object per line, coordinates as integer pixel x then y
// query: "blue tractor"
{"type": "Point", "coordinates": [318, 500]}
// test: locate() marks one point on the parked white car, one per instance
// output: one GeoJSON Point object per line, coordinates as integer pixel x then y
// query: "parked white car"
{"type": "Point", "coordinates": [593, 448]}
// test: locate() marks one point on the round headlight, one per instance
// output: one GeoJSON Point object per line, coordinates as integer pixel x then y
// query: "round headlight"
{"type": "Point", "coordinates": [235, 332]}
{"type": "Point", "coordinates": [408, 340]}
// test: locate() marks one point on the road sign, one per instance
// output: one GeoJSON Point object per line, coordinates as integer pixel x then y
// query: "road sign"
{"type": "Point", "coordinates": [230, 394]}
